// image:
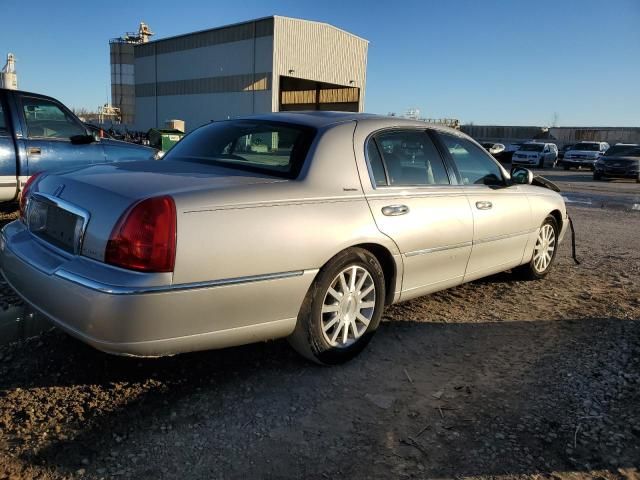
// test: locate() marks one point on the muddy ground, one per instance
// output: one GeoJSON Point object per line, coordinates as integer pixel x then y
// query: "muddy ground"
{"type": "Point", "coordinates": [496, 378]}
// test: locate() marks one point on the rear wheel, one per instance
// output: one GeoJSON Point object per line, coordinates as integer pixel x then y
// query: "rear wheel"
{"type": "Point", "coordinates": [544, 252]}
{"type": "Point", "coordinates": [342, 308]}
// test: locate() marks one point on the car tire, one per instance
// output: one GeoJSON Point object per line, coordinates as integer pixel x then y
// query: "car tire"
{"type": "Point", "coordinates": [566, 167]}
{"type": "Point", "coordinates": [541, 164]}
{"type": "Point", "coordinates": [334, 303]}
{"type": "Point", "coordinates": [540, 264]}
{"type": "Point", "coordinates": [597, 176]}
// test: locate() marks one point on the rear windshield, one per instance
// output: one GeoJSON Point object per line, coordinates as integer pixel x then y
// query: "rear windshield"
{"type": "Point", "coordinates": [532, 147]}
{"type": "Point", "coordinates": [623, 150]}
{"type": "Point", "coordinates": [274, 148]}
{"type": "Point", "coordinates": [587, 147]}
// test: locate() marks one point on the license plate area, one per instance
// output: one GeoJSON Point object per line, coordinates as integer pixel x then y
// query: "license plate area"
{"type": "Point", "coordinates": [57, 222]}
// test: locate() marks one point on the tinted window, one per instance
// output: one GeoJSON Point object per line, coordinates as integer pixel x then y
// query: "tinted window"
{"type": "Point", "coordinates": [587, 147]}
{"type": "Point", "coordinates": [473, 163]}
{"type": "Point", "coordinates": [375, 161]}
{"type": "Point", "coordinates": [46, 119]}
{"type": "Point", "coordinates": [273, 148]}
{"type": "Point", "coordinates": [3, 121]}
{"type": "Point", "coordinates": [623, 150]}
{"type": "Point", "coordinates": [532, 147]}
{"type": "Point", "coordinates": [411, 158]}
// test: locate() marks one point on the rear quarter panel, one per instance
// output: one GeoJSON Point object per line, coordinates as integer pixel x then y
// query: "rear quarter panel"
{"type": "Point", "coordinates": [280, 227]}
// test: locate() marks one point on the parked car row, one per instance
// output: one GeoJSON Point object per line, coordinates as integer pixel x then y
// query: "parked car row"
{"type": "Point", "coordinates": [618, 161]}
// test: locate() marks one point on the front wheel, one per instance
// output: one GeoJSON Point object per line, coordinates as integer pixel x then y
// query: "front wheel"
{"type": "Point", "coordinates": [342, 308]}
{"type": "Point", "coordinates": [544, 252]}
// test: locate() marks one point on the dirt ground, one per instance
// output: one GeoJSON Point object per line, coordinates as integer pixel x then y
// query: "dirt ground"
{"type": "Point", "coordinates": [496, 378]}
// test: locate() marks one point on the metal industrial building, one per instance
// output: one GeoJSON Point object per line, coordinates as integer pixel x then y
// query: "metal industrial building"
{"type": "Point", "coordinates": [265, 65]}
{"type": "Point", "coordinates": [123, 87]}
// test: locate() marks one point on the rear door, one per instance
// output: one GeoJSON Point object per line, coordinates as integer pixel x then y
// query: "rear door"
{"type": "Point", "coordinates": [8, 173]}
{"type": "Point", "coordinates": [414, 202]}
{"type": "Point", "coordinates": [502, 220]}
{"type": "Point", "coordinates": [48, 126]}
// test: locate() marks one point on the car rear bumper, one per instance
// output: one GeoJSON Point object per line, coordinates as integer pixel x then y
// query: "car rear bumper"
{"type": "Point", "coordinates": [148, 320]}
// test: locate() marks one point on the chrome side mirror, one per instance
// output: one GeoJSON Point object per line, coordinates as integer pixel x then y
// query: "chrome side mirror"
{"type": "Point", "coordinates": [521, 176]}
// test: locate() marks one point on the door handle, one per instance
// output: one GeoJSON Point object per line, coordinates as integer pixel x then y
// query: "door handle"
{"type": "Point", "coordinates": [34, 150]}
{"type": "Point", "coordinates": [484, 205]}
{"type": "Point", "coordinates": [394, 210]}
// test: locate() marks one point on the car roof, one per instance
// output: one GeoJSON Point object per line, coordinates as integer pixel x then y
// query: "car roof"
{"type": "Point", "coordinates": [32, 94]}
{"type": "Point", "coordinates": [324, 119]}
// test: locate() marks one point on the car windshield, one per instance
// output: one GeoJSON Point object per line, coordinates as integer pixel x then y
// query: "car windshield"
{"type": "Point", "coordinates": [532, 147]}
{"type": "Point", "coordinates": [624, 150]}
{"type": "Point", "coordinates": [587, 147]}
{"type": "Point", "coordinates": [273, 148]}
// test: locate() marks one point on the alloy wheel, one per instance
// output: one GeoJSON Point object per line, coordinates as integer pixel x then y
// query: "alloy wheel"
{"type": "Point", "coordinates": [348, 306]}
{"type": "Point", "coordinates": [544, 249]}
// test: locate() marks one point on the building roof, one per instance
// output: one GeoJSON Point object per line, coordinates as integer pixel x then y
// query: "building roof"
{"type": "Point", "coordinates": [246, 22]}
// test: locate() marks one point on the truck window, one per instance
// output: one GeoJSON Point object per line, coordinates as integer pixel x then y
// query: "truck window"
{"type": "Point", "coordinates": [45, 119]}
{"type": "Point", "coordinates": [3, 122]}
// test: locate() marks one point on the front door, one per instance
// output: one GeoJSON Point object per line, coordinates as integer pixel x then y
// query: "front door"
{"type": "Point", "coordinates": [502, 220]}
{"type": "Point", "coordinates": [414, 202]}
{"type": "Point", "coordinates": [8, 182]}
{"type": "Point", "coordinates": [49, 127]}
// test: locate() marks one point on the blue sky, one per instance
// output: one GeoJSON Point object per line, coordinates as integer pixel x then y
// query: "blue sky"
{"type": "Point", "coordinates": [486, 62]}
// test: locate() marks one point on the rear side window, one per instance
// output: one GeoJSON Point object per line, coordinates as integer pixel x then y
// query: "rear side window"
{"type": "Point", "coordinates": [3, 121]}
{"type": "Point", "coordinates": [474, 165]}
{"type": "Point", "coordinates": [272, 148]}
{"type": "Point", "coordinates": [410, 158]}
{"type": "Point", "coordinates": [375, 161]}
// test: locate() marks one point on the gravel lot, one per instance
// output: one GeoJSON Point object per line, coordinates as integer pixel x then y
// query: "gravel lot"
{"type": "Point", "coordinates": [496, 378]}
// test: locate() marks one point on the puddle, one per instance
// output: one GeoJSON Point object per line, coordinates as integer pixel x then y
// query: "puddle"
{"type": "Point", "coordinates": [615, 202]}
{"type": "Point", "coordinates": [20, 322]}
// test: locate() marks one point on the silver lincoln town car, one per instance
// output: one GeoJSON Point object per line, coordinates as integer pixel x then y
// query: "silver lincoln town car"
{"type": "Point", "coordinates": [299, 225]}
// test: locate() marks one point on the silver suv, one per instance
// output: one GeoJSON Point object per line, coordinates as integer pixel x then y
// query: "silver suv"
{"type": "Point", "coordinates": [584, 154]}
{"type": "Point", "coordinates": [536, 154]}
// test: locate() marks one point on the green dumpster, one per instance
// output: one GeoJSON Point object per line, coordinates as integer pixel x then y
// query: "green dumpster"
{"type": "Point", "coordinates": [164, 139]}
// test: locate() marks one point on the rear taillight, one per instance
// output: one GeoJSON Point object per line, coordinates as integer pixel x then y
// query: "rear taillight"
{"type": "Point", "coordinates": [144, 238]}
{"type": "Point", "coordinates": [24, 194]}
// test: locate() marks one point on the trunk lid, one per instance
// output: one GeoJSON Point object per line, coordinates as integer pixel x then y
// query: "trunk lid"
{"type": "Point", "coordinates": [106, 191]}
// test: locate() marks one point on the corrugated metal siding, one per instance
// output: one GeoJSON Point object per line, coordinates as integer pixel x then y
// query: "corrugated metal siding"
{"type": "Point", "coordinates": [122, 80]}
{"type": "Point", "coordinates": [233, 33]}
{"type": "Point", "coordinates": [231, 83]}
{"type": "Point", "coordinates": [319, 52]}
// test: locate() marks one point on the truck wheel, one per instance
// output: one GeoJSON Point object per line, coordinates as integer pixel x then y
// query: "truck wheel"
{"type": "Point", "coordinates": [342, 308]}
